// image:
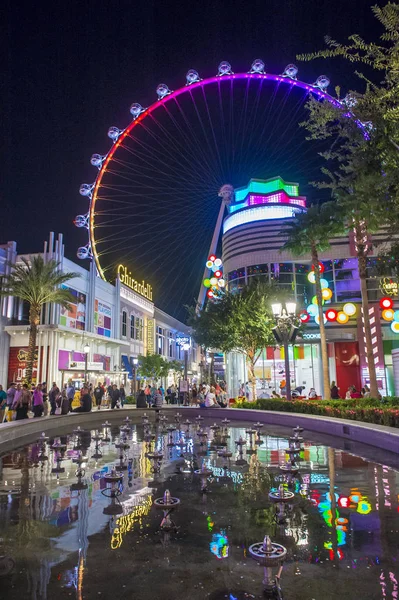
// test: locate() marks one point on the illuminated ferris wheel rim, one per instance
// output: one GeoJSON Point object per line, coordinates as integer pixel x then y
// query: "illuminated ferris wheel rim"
{"type": "Point", "coordinates": [164, 95]}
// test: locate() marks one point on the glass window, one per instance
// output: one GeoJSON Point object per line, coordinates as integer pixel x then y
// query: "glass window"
{"type": "Point", "coordinates": [139, 329]}
{"type": "Point", "coordinates": [170, 344]}
{"type": "Point", "coordinates": [258, 269]}
{"type": "Point", "coordinates": [304, 289]}
{"type": "Point", "coordinates": [236, 274]}
{"type": "Point", "coordinates": [282, 273]}
{"type": "Point", "coordinates": [347, 282]}
{"type": "Point", "coordinates": [124, 323]}
{"type": "Point", "coordinates": [160, 340]}
{"type": "Point", "coordinates": [132, 317]}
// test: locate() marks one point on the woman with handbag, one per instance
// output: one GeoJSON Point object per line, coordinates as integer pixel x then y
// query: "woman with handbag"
{"type": "Point", "coordinates": [38, 401]}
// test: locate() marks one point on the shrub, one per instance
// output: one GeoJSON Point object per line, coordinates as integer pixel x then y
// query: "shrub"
{"type": "Point", "coordinates": [369, 410]}
{"type": "Point", "coordinates": [130, 400]}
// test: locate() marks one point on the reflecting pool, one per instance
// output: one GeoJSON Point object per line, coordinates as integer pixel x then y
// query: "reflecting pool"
{"type": "Point", "coordinates": [85, 515]}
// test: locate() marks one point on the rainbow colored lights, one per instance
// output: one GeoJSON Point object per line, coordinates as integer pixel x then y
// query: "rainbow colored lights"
{"type": "Point", "coordinates": [215, 282]}
{"type": "Point", "coordinates": [330, 315]}
{"type": "Point", "coordinates": [270, 191]}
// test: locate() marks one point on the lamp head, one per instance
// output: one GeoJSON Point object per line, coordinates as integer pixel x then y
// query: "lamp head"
{"type": "Point", "coordinates": [291, 308]}
{"type": "Point", "coordinates": [135, 361]}
{"type": "Point", "coordinates": [86, 348]}
{"type": "Point", "coordinates": [276, 309]}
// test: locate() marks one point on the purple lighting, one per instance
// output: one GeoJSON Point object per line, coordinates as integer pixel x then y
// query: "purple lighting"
{"type": "Point", "coordinates": [279, 198]}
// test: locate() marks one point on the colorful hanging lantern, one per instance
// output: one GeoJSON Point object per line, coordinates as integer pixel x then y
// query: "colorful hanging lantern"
{"type": "Point", "coordinates": [323, 283]}
{"type": "Point", "coordinates": [342, 318]}
{"type": "Point", "coordinates": [314, 300]}
{"type": "Point", "coordinates": [396, 315]}
{"type": "Point", "coordinates": [331, 314]}
{"type": "Point", "coordinates": [395, 326]}
{"type": "Point", "coordinates": [349, 309]}
{"type": "Point", "coordinates": [386, 302]}
{"type": "Point", "coordinates": [388, 314]}
{"type": "Point", "coordinates": [312, 310]}
{"type": "Point", "coordinates": [210, 294]}
{"type": "Point", "coordinates": [214, 281]}
{"type": "Point", "coordinates": [207, 283]}
{"type": "Point", "coordinates": [311, 277]}
{"type": "Point", "coordinates": [218, 262]}
{"type": "Point", "coordinates": [212, 258]}
{"type": "Point", "coordinates": [221, 283]}
{"type": "Point", "coordinates": [326, 294]}
{"type": "Point", "coordinates": [218, 274]}
{"type": "Point", "coordinates": [321, 268]}
{"type": "Point", "coordinates": [304, 316]}
{"type": "Point", "coordinates": [317, 319]}
{"type": "Point", "coordinates": [209, 264]}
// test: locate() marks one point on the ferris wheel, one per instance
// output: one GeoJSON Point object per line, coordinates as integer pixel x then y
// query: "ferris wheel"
{"type": "Point", "coordinates": [155, 195]}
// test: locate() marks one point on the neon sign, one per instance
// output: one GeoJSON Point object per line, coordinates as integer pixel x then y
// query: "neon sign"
{"type": "Point", "coordinates": [125, 277]}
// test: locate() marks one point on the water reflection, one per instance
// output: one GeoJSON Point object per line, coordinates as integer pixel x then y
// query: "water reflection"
{"type": "Point", "coordinates": [64, 530]}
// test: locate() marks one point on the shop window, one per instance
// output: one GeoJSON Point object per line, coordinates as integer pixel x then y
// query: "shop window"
{"type": "Point", "coordinates": [124, 323]}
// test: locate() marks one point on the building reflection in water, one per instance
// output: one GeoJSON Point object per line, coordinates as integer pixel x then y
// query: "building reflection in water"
{"type": "Point", "coordinates": [345, 509]}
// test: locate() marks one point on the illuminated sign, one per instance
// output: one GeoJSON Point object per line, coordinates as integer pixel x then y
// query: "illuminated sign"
{"type": "Point", "coordinates": [143, 288]}
{"type": "Point", "coordinates": [183, 340]}
{"type": "Point", "coordinates": [150, 336]}
{"type": "Point", "coordinates": [389, 286]}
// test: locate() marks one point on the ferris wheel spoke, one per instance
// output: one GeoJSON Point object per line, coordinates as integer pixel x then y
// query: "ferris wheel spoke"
{"type": "Point", "coordinates": [177, 167]}
{"type": "Point", "coordinates": [184, 226]}
{"type": "Point", "coordinates": [196, 139]}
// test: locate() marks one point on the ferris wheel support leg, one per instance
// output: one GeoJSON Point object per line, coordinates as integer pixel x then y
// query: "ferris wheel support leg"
{"type": "Point", "coordinates": [212, 250]}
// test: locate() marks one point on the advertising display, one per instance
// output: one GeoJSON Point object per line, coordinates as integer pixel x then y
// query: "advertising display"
{"type": "Point", "coordinates": [75, 361]}
{"type": "Point", "coordinates": [17, 365]}
{"type": "Point", "coordinates": [102, 318]}
{"type": "Point", "coordinates": [75, 316]}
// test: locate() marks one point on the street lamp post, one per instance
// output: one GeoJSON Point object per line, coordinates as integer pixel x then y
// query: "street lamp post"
{"type": "Point", "coordinates": [285, 333]}
{"type": "Point", "coordinates": [86, 350]}
{"type": "Point", "coordinates": [186, 348]}
{"type": "Point", "coordinates": [135, 363]}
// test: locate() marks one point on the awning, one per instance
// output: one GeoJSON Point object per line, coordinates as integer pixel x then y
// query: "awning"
{"type": "Point", "coordinates": [127, 365]}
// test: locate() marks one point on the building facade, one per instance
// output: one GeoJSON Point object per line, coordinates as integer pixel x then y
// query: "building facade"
{"type": "Point", "coordinates": [253, 236]}
{"type": "Point", "coordinates": [116, 322]}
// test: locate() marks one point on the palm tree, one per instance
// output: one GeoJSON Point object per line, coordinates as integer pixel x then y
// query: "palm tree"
{"type": "Point", "coordinates": [37, 282]}
{"type": "Point", "coordinates": [310, 233]}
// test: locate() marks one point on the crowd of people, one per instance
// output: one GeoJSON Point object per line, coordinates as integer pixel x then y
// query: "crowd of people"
{"type": "Point", "coordinates": [20, 400]}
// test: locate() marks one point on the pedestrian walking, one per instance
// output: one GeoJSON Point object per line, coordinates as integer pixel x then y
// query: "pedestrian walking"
{"type": "Point", "coordinates": [98, 395]}
{"type": "Point", "coordinates": [54, 392]}
{"type": "Point", "coordinates": [122, 394]}
{"type": "Point", "coordinates": [37, 401]}
{"type": "Point", "coordinates": [115, 397]}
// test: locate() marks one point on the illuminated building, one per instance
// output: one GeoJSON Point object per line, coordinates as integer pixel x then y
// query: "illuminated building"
{"type": "Point", "coordinates": [117, 321]}
{"type": "Point", "coordinates": [253, 235]}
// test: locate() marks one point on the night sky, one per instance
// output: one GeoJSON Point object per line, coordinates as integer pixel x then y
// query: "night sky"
{"type": "Point", "coordinates": [72, 69]}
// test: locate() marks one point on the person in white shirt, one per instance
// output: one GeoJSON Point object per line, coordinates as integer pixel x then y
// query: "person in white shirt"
{"type": "Point", "coordinates": [210, 399]}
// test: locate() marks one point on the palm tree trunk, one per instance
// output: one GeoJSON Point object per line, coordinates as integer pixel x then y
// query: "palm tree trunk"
{"type": "Point", "coordinates": [323, 338]}
{"type": "Point", "coordinates": [362, 262]}
{"type": "Point", "coordinates": [34, 320]}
